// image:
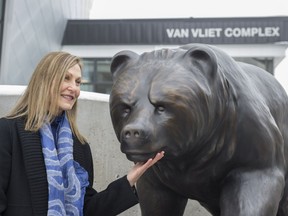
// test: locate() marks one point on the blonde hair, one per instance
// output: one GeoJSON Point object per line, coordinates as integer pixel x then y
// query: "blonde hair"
{"type": "Point", "coordinates": [39, 103]}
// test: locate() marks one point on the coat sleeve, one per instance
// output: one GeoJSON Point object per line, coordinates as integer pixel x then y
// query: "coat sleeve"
{"type": "Point", "coordinates": [5, 162]}
{"type": "Point", "coordinates": [116, 198]}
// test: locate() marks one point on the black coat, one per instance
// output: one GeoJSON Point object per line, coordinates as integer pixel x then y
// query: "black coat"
{"type": "Point", "coordinates": [23, 179]}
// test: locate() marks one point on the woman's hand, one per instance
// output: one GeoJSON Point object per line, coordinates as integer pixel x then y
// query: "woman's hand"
{"type": "Point", "coordinates": [139, 168]}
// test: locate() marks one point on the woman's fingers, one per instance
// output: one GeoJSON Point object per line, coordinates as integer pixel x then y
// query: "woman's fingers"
{"type": "Point", "coordinates": [152, 161]}
{"type": "Point", "coordinates": [139, 168]}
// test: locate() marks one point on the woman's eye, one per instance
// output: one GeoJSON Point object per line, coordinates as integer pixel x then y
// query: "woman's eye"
{"type": "Point", "coordinates": [78, 82]}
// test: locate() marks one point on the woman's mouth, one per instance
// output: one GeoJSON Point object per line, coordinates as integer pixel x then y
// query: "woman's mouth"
{"type": "Point", "coordinates": [68, 97]}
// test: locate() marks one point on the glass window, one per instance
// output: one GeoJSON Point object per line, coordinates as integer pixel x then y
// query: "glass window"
{"type": "Point", "coordinates": [264, 63]}
{"type": "Point", "coordinates": [103, 78]}
{"type": "Point", "coordinates": [96, 75]}
{"type": "Point", "coordinates": [88, 72]}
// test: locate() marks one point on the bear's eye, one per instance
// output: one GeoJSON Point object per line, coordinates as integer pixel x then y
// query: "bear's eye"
{"type": "Point", "coordinates": [160, 109]}
{"type": "Point", "coordinates": [126, 111]}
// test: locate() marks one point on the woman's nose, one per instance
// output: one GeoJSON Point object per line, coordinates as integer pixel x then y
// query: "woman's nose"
{"type": "Point", "coordinates": [73, 86]}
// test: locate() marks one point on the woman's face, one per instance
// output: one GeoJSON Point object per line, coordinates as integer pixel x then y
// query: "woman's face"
{"type": "Point", "coordinates": [70, 88]}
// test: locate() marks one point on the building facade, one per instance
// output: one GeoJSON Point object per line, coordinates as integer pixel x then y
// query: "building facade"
{"type": "Point", "coordinates": [30, 29]}
{"type": "Point", "coordinates": [261, 41]}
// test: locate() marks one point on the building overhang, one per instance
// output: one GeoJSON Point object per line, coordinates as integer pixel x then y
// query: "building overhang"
{"type": "Point", "coordinates": [225, 31]}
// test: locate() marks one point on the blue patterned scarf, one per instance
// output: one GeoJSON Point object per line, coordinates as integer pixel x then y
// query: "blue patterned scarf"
{"type": "Point", "coordinates": [67, 180]}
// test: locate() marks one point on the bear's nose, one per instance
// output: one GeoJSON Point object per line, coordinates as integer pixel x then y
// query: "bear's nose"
{"type": "Point", "coordinates": [129, 133]}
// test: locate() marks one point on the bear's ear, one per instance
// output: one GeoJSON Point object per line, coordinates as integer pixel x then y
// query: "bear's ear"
{"type": "Point", "coordinates": [203, 58]}
{"type": "Point", "coordinates": [120, 60]}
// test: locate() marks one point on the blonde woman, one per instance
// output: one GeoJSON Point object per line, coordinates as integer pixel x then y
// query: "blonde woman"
{"type": "Point", "coordinates": [46, 164]}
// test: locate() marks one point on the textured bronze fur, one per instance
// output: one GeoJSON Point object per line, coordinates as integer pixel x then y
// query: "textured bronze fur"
{"type": "Point", "coordinates": [222, 124]}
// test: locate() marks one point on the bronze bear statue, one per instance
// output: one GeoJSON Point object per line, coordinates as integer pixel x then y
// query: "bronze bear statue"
{"type": "Point", "coordinates": [223, 126]}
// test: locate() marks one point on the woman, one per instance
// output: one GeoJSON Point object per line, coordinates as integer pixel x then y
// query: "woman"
{"type": "Point", "coordinates": [46, 164]}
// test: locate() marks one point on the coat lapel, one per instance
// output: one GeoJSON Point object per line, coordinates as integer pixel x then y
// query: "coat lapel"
{"type": "Point", "coordinates": [35, 168]}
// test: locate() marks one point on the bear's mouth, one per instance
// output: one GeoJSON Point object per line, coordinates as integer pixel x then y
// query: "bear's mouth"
{"type": "Point", "coordinates": [136, 157]}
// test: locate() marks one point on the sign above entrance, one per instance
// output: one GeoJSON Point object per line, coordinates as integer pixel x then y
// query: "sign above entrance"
{"type": "Point", "coordinates": [258, 30]}
{"type": "Point", "coordinates": [220, 32]}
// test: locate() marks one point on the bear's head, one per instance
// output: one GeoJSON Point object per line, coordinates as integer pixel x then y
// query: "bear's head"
{"type": "Point", "coordinates": [168, 99]}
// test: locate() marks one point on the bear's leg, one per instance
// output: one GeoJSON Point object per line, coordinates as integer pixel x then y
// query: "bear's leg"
{"type": "Point", "coordinates": [283, 207]}
{"type": "Point", "coordinates": [158, 200]}
{"type": "Point", "coordinates": [252, 193]}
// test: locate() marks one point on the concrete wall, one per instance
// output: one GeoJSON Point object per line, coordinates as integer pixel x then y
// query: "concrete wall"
{"type": "Point", "coordinates": [95, 124]}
